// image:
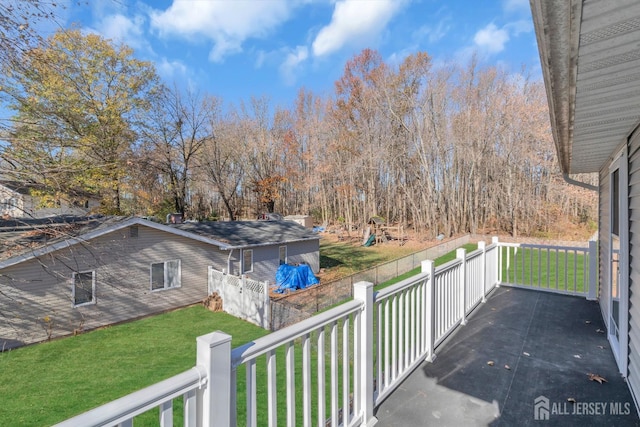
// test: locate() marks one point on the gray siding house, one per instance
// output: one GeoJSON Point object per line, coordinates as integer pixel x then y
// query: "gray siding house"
{"type": "Point", "coordinates": [65, 275]}
{"type": "Point", "coordinates": [590, 56]}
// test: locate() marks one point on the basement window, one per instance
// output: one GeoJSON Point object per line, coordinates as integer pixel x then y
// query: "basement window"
{"type": "Point", "coordinates": [84, 288]}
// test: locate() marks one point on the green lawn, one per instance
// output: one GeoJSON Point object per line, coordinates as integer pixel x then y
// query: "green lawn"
{"type": "Point", "coordinates": [49, 382]}
{"type": "Point", "coordinates": [564, 271]}
{"type": "Point", "coordinates": [450, 256]}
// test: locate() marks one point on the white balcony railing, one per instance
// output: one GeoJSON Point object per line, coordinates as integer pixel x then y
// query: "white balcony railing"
{"type": "Point", "coordinates": [337, 366]}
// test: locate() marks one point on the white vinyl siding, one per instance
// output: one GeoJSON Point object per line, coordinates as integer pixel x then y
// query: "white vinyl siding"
{"type": "Point", "coordinates": [633, 367]}
{"type": "Point", "coordinates": [84, 288]}
{"type": "Point", "coordinates": [165, 275]}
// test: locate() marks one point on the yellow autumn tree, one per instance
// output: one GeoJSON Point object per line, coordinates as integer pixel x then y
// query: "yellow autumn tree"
{"type": "Point", "coordinates": [78, 102]}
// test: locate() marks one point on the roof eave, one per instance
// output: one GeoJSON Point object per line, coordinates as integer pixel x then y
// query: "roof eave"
{"type": "Point", "coordinates": [557, 27]}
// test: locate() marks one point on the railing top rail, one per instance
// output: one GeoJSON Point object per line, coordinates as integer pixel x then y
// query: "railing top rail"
{"type": "Point", "coordinates": [399, 287]}
{"type": "Point", "coordinates": [140, 401]}
{"type": "Point", "coordinates": [275, 339]}
{"type": "Point", "coordinates": [537, 246]}
{"type": "Point", "coordinates": [448, 266]}
{"type": "Point", "coordinates": [474, 254]}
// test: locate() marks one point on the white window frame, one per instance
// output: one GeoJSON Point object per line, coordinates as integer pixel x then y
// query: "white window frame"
{"type": "Point", "coordinates": [244, 264]}
{"type": "Point", "coordinates": [93, 288]}
{"type": "Point", "coordinates": [286, 255]}
{"type": "Point", "coordinates": [166, 280]}
{"type": "Point", "coordinates": [619, 345]}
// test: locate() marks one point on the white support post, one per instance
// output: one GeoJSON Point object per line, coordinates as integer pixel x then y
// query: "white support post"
{"type": "Point", "coordinates": [498, 266]}
{"type": "Point", "coordinates": [430, 310]}
{"type": "Point", "coordinates": [214, 399]}
{"type": "Point", "coordinates": [363, 291]}
{"type": "Point", "coordinates": [483, 269]}
{"type": "Point", "coordinates": [593, 270]}
{"type": "Point", "coordinates": [461, 254]}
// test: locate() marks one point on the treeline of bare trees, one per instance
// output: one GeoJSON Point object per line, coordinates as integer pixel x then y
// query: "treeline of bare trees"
{"type": "Point", "coordinates": [444, 149]}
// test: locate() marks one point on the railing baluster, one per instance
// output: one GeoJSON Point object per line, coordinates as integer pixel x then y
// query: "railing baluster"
{"type": "Point", "coordinates": [380, 344]}
{"type": "Point", "coordinates": [166, 414]}
{"type": "Point", "coordinates": [322, 414]}
{"type": "Point", "coordinates": [387, 343]}
{"type": "Point", "coordinates": [334, 374]}
{"type": "Point", "coordinates": [346, 374]}
{"type": "Point", "coordinates": [566, 270]}
{"type": "Point", "coordinates": [252, 419]}
{"type": "Point", "coordinates": [190, 408]}
{"type": "Point", "coordinates": [394, 337]}
{"type": "Point", "coordinates": [306, 380]}
{"type": "Point", "coordinates": [401, 332]}
{"type": "Point", "coordinates": [272, 389]}
{"type": "Point", "coordinates": [291, 384]}
{"type": "Point", "coordinates": [575, 271]}
{"type": "Point", "coordinates": [557, 269]}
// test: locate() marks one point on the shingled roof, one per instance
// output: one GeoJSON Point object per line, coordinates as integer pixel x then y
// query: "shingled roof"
{"type": "Point", "coordinates": [23, 239]}
{"type": "Point", "coordinates": [238, 234]}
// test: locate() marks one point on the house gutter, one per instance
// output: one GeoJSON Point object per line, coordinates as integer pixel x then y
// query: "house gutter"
{"type": "Point", "coordinates": [580, 184]}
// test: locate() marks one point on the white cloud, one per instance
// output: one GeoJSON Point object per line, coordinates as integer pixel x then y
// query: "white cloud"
{"type": "Point", "coordinates": [516, 5]}
{"type": "Point", "coordinates": [124, 30]}
{"type": "Point", "coordinates": [518, 27]}
{"type": "Point", "coordinates": [354, 22]}
{"type": "Point", "coordinates": [291, 64]}
{"type": "Point", "coordinates": [433, 33]}
{"type": "Point", "coordinates": [170, 70]}
{"type": "Point", "coordinates": [491, 39]}
{"type": "Point", "coordinates": [226, 23]}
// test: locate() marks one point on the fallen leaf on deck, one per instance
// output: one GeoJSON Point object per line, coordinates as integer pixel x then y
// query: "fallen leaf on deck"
{"type": "Point", "coordinates": [571, 399]}
{"type": "Point", "coordinates": [577, 356]}
{"type": "Point", "coordinates": [507, 367]}
{"type": "Point", "coordinates": [600, 331]}
{"type": "Point", "coordinates": [587, 322]}
{"type": "Point", "coordinates": [596, 377]}
{"type": "Point", "coordinates": [490, 363]}
{"type": "Point", "coordinates": [525, 353]}
{"type": "Point", "coordinates": [601, 347]}
{"type": "Point", "coordinates": [493, 309]}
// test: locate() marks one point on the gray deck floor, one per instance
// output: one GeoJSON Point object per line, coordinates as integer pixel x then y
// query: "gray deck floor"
{"type": "Point", "coordinates": [550, 343]}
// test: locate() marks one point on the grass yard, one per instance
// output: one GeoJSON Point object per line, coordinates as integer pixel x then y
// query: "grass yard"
{"type": "Point", "coordinates": [450, 256]}
{"type": "Point", "coordinates": [46, 383]}
{"type": "Point", "coordinates": [558, 270]}
{"type": "Point", "coordinates": [339, 259]}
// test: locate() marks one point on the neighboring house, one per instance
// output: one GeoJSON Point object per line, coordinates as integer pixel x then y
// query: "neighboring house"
{"type": "Point", "coordinates": [62, 275]}
{"type": "Point", "coordinates": [590, 55]}
{"type": "Point", "coordinates": [258, 248]}
{"type": "Point", "coordinates": [20, 200]}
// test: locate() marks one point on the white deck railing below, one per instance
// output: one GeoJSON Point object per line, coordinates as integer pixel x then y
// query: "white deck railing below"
{"type": "Point", "coordinates": [336, 367]}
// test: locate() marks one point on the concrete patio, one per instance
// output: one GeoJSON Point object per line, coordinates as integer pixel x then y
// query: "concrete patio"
{"type": "Point", "coordinates": [519, 347]}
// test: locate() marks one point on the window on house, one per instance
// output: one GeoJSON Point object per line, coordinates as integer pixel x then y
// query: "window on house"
{"type": "Point", "coordinates": [247, 261]}
{"type": "Point", "coordinates": [283, 255]}
{"type": "Point", "coordinates": [133, 231]}
{"type": "Point", "coordinates": [165, 275]}
{"type": "Point", "coordinates": [84, 288]}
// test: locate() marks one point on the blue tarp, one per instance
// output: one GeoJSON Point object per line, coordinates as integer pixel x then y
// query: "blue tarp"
{"type": "Point", "coordinates": [291, 278]}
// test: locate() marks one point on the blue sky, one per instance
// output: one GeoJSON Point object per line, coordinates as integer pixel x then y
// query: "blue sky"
{"type": "Point", "coordinates": [238, 48]}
